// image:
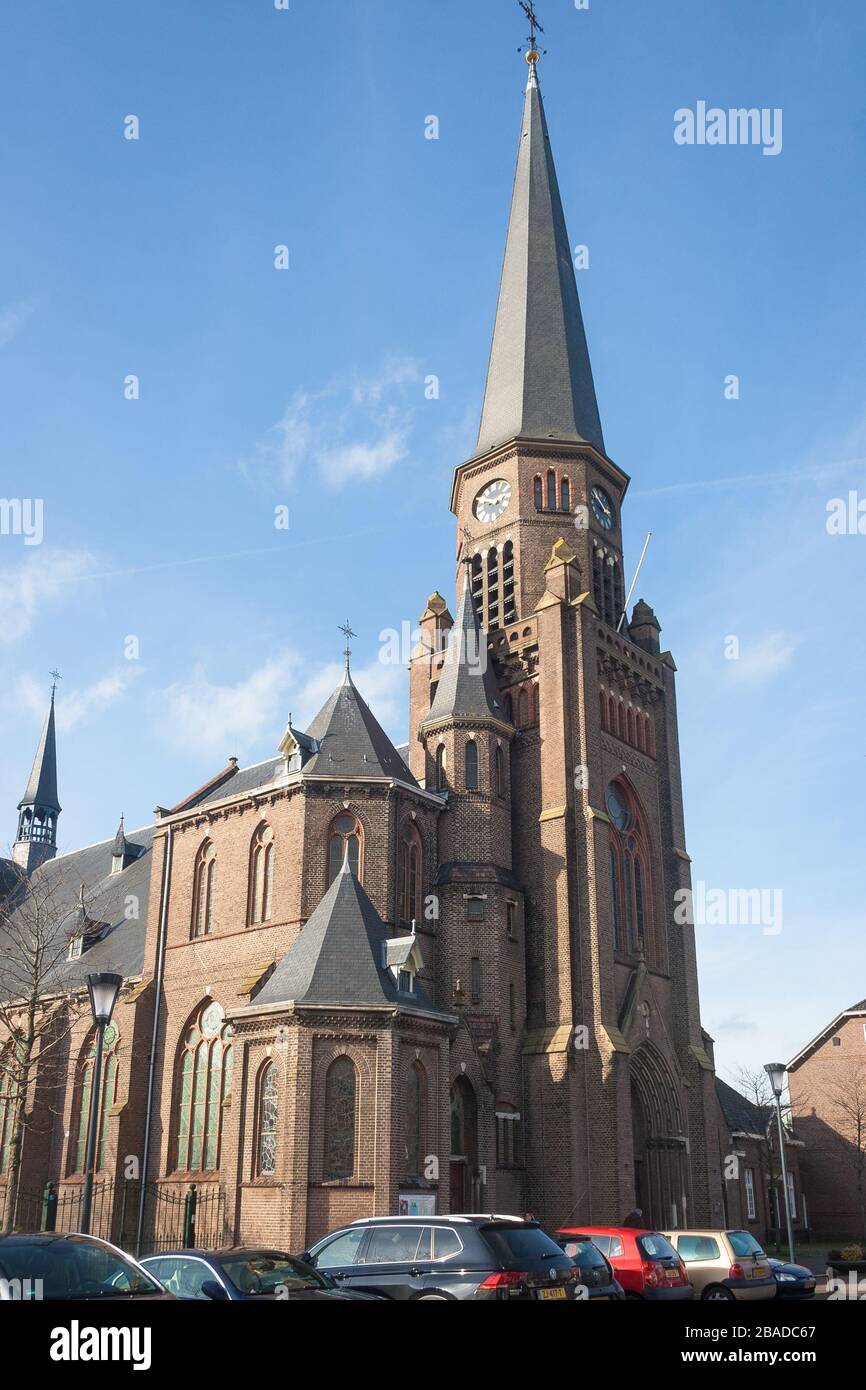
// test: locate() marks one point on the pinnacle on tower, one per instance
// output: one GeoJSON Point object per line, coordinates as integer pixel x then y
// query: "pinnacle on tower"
{"type": "Point", "coordinates": [39, 808]}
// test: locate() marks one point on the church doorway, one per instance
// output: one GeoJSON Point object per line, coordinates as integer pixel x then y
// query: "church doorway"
{"type": "Point", "coordinates": [464, 1177]}
{"type": "Point", "coordinates": [661, 1161]}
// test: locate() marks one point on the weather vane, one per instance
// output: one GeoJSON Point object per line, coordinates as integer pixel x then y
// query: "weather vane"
{"type": "Point", "coordinates": [528, 9]}
{"type": "Point", "coordinates": [347, 633]}
{"type": "Point", "coordinates": [56, 676]}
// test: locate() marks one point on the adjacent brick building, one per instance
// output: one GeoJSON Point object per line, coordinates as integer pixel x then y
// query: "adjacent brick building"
{"type": "Point", "coordinates": [361, 977]}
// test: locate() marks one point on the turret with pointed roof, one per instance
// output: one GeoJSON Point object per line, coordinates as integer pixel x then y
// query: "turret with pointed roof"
{"type": "Point", "coordinates": [539, 380]}
{"type": "Point", "coordinates": [467, 688]}
{"type": "Point", "coordinates": [39, 807]}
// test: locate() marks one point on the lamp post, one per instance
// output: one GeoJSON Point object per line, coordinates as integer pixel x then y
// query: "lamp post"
{"type": "Point", "coordinates": [776, 1072]}
{"type": "Point", "coordinates": [103, 990]}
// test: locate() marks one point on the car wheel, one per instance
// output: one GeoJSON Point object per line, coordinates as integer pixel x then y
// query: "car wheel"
{"type": "Point", "coordinates": [715, 1291]}
{"type": "Point", "coordinates": [432, 1298]}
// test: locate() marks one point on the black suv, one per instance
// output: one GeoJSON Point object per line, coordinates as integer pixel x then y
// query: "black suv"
{"type": "Point", "coordinates": [447, 1257]}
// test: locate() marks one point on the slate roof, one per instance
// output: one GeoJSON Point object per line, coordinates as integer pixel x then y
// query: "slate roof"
{"type": "Point", "coordinates": [42, 785]}
{"type": "Point", "coordinates": [351, 742]}
{"type": "Point", "coordinates": [107, 896]}
{"type": "Point", "coordinates": [338, 957]}
{"type": "Point", "coordinates": [467, 686]}
{"type": "Point", "coordinates": [741, 1114]}
{"type": "Point", "coordinates": [539, 381]}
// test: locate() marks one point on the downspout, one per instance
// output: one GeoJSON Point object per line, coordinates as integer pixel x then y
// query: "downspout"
{"type": "Point", "coordinates": [154, 1037]}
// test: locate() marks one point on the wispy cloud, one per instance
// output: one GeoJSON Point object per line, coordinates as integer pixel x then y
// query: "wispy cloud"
{"type": "Point", "coordinates": [357, 426]}
{"type": "Point", "coordinates": [12, 320]}
{"type": "Point", "coordinates": [761, 659]}
{"type": "Point", "coordinates": [77, 706]}
{"type": "Point", "coordinates": [41, 578]}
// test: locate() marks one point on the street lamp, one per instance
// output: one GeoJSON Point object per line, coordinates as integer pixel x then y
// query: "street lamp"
{"type": "Point", "coordinates": [776, 1072]}
{"type": "Point", "coordinates": [103, 990]}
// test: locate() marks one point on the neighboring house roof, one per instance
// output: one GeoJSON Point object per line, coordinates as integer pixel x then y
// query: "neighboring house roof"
{"type": "Point", "coordinates": [338, 958]}
{"type": "Point", "coordinates": [855, 1011]}
{"type": "Point", "coordinates": [742, 1115]}
{"type": "Point", "coordinates": [467, 688]}
{"type": "Point", "coordinates": [109, 899]}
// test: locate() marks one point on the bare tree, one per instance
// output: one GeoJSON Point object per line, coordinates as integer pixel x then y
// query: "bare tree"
{"type": "Point", "coordinates": [845, 1114]}
{"type": "Point", "coordinates": [37, 1013]}
{"type": "Point", "coordinates": [755, 1086]}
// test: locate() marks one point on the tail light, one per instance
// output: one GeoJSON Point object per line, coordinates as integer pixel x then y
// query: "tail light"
{"type": "Point", "coordinates": [650, 1274]}
{"type": "Point", "coordinates": [507, 1279]}
{"type": "Point", "coordinates": [736, 1271]}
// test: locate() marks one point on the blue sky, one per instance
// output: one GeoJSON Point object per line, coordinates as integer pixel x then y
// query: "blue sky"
{"type": "Point", "coordinates": [305, 389]}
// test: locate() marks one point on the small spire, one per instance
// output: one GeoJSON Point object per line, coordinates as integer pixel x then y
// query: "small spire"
{"type": "Point", "coordinates": [39, 807]}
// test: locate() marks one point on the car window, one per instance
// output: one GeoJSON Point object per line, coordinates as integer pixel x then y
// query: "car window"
{"type": "Point", "coordinates": [742, 1243]}
{"type": "Point", "coordinates": [585, 1255]}
{"type": "Point", "coordinates": [342, 1250]}
{"type": "Point", "coordinates": [693, 1248]}
{"type": "Point", "coordinates": [72, 1267]}
{"type": "Point", "coordinates": [603, 1243]}
{"type": "Point", "coordinates": [446, 1243]}
{"type": "Point", "coordinates": [183, 1277]}
{"type": "Point", "coordinates": [396, 1244]}
{"type": "Point", "coordinates": [656, 1247]}
{"type": "Point", "coordinates": [514, 1243]}
{"type": "Point", "coordinates": [268, 1273]}
{"type": "Point", "coordinates": [615, 1246]}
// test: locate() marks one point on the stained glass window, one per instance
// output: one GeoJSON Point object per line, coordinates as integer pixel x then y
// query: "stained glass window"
{"type": "Point", "coordinates": [261, 875]}
{"type": "Point", "coordinates": [340, 1119]}
{"type": "Point", "coordinates": [416, 1104]}
{"type": "Point", "coordinates": [107, 1098]}
{"type": "Point", "coordinates": [203, 1090]}
{"type": "Point", "coordinates": [203, 891]}
{"type": "Point", "coordinates": [268, 1121]}
{"type": "Point", "coordinates": [344, 839]}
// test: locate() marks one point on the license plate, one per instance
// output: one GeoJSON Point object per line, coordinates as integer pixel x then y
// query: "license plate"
{"type": "Point", "coordinates": [672, 1276]}
{"type": "Point", "coordinates": [550, 1293]}
{"type": "Point", "coordinates": [760, 1272]}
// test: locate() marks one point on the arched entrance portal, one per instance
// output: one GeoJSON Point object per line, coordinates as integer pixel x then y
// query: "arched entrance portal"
{"type": "Point", "coordinates": [661, 1160]}
{"type": "Point", "coordinates": [465, 1184]}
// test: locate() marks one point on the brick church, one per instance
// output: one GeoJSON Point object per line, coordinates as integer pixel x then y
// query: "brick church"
{"type": "Point", "coordinates": [359, 977]}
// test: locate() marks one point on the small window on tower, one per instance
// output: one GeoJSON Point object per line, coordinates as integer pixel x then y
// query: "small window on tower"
{"type": "Point", "coordinates": [539, 495]}
{"type": "Point", "coordinates": [565, 494]}
{"type": "Point", "coordinates": [551, 490]}
{"type": "Point", "coordinates": [475, 909]}
{"type": "Point", "coordinates": [511, 921]}
{"type": "Point", "coordinates": [475, 980]}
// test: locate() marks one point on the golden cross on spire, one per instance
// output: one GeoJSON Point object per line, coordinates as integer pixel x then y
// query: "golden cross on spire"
{"type": "Point", "coordinates": [528, 8]}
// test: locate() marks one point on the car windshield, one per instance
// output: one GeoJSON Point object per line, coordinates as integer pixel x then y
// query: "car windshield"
{"type": "Point", "coordinates": [268, 1273]}
{"type": "Point", "coordinates": [744, 1244]}
{"type": "Point", "coordinates": [72, 1267]}
{"type": "Point", "coordinates": [522, 1243]}
{"type": "Point", "coordinates": [584, 1253]}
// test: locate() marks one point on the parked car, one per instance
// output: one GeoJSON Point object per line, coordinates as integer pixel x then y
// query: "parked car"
{"type": "Point", "coordinates": [596, 1275]}
{"type": "Point", "coordinates": [241, 1274]}
{"type": "Point", "coordinates": [792, 1281]}
{"type": "Point", "coordinates": [644, 1262]}
{"type": "Point", "coordinates": [47, 1266]}
{"type": "Point", "coordinates": [725, 1264]}
{"type": "Point", "coordinates": [409, 1258]}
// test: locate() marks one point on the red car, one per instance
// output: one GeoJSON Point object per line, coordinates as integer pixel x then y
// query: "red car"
{"type": "Point", "coordinates": [644, 1262]}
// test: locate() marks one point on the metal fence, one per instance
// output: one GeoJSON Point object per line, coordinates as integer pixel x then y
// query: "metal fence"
{"type": "Point", "coordinates": [174, 1216]}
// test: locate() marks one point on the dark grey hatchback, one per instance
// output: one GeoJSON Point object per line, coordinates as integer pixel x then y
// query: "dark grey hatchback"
{"type": "Point", "coordinates": [409, 1258]}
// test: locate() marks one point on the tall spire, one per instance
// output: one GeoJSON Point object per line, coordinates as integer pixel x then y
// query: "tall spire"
{"type": "Point", "coordinates": [39, 808]}
{"type": "Point", "coordinates": [539, 381]}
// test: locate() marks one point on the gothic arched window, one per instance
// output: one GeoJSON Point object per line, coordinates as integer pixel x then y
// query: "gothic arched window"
{"type": "Point", "coordinates": [523, 714]}
{"type": "Point", "coordinates": [492, 587]}
{"type": "Point", "coordinates": [415, 1119]}
{"type": "Point", "coordinates": [204, 884]}
{"type": "Point", "coordinates": [507, 706]}
{"type": "Point", "coordinates": [84, 1092]}
{"type": "Point", "coordinates": [261, 875]}
{"type": "Point", "coordinates": [509, 605]}
{"type": "Point", "coordinates": [471, 766]}
{"type": "Point", "coordinates": [266, 1126]}
{"type": "Point", "coordinates": [602, 702]}
{"type": "Point", "coordinates": [341, 1091]}
{"type": "Point", "coordinates": [551, 490]}
{"type": "Point", "coordinates": [565, 495]}
{"type": "Point", "coordinates": [649, 741]}
{"type": "Point", "coordinates": [441, 768]}
{"type": "Point", "coordinates": [344, 840]}
{"type": "Point", "coordinates": [410, 874]}
{"type": "Point", "coordinates": [539, 494]}
{"type": "Point", "coordinates": [500, 772]}
{"type": "Point", "coordinates": [631, 879]}
{"type": "Point", "coordinates": [203, 1087]}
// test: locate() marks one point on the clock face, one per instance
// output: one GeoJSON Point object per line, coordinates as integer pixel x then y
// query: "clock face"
{"type": "Point", "coordinates": [617, 808]}
{"type": "Point", "coordinates": [492, 501]}
{"type": "Point", "coordinates": [602, 507]}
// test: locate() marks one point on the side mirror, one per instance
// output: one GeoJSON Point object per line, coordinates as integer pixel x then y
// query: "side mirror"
{"type": "Point", "coordinates": [212, 1288]}
{"type": "Point", "coordinates": [306, 1257]}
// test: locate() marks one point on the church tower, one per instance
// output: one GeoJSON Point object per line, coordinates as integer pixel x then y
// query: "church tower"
{"type": "Point", "coordinates": [39, 808]}
{"type": "Point", "coordinates": [616, 1086]}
